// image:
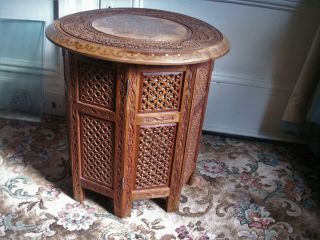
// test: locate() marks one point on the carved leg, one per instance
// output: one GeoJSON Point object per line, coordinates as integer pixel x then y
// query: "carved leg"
{"type": "Point", "coordinates": [172, 203]}
{"type": "Point", "coordinates": [79, 194]}
{"type": "Point", "coordinates": [192, 179]}
{"type": "Point", "coordinates": [122, 200]}
{"type": "Point", "coordinates": [121, 210]}
{"type": "Point", "coordinates": [78, 191]}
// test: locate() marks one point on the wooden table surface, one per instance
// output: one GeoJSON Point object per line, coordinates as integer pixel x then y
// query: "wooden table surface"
{"type": "Point", "coordinates": [140, 36]}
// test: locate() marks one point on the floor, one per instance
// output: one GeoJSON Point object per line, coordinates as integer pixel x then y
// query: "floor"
{"type": "Point", "coordinates": [245, 189]}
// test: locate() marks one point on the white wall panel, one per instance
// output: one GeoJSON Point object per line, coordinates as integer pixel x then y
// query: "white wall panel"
{"type": "Point", "coordinates": [246, 110]}
{"type": "Point", "coordinates": [269, 44]}
{"type": "Point", "coordinates": [41, 10]}
{"type": "Point", "coordinates": [251, 85]}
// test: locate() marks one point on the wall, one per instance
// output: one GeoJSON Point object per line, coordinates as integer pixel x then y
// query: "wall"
{"type": "Point", "coordinates": [251, 85]}
{"type": "Point", "coordinates": [42, 10]}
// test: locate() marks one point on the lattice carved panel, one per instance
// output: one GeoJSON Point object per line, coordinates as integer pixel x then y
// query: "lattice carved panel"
{"type": "Point", "coordinates": [200, 96]}
{"type": "Point", "coordinates": [156, 146]}
{"type": "Point", "coordinates": [97, 150]}
{"type": "Point", "coordinates": [192, 142]}
{"type": "Point", "coordinates": [201, 83]}
{"type": "Point", "coordinates": [97, 85]}
{"type": "Point", "coordinates": [161, 91]}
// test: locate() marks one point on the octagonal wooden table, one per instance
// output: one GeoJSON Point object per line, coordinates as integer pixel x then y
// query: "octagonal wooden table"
{"type": "Point", "coordinates": [137, 84]}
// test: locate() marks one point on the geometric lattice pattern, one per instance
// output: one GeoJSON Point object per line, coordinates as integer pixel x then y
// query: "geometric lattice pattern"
{"type": "Point", "coordinates": [97, 150]}
{"type": "Point", "coordinates": [97, 85]}
{"type": "Point", "coordinates": [161, 91]}
{"type": "Point", "coordinates": [155, 154]}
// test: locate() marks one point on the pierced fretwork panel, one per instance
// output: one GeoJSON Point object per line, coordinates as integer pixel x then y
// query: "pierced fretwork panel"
{"type": "Point", "coordinates": [155, 151]}
{"type": "Point", "coordinates": [97, 85]}
{"type": "Point", "coordinates": [97, 150]}
{"type": "Point", "coordinates": [196, 118]}
{"type": "Point", "coordinates": [161, 91]}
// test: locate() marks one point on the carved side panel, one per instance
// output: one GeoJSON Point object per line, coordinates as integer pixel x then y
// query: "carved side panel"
{"type": "Point", "coordinates": [97, 144]}
{"type": "Point", "coordinates": [192, 142]}
{"type": "Point", "coordinates": [97, 89]}
{"type": "Point", "coordinates": [161, 91]}
{"type": "Point", "coordinates": [92, 93]}
{"type": "Point", "coordinates": [155, 151]}
{"type": "Point", "coordinates": [200, 95]}
{"type": "Point", "coordinates": [97, 85]}
{"type": "Point", "coordinates": [159, 103]}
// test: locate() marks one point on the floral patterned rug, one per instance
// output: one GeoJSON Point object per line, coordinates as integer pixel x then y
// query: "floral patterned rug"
{"type": "Point", "coordinates": [245, 189]}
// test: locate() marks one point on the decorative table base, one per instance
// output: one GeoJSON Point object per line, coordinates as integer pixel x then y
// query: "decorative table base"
{"type": "Point", "coordinates": [134, 117]}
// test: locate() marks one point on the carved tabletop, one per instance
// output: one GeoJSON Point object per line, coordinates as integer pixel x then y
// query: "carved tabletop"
{"type": "Point", "coordinates": [139, 36]}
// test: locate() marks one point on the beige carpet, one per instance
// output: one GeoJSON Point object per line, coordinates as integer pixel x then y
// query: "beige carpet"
{"type": "Point", "coordinates": [245, 189]}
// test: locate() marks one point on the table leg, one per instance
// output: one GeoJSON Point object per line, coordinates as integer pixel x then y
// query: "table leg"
{"type": "Point", "coordinates": [78, 194]}
{"type": "Point", "coordinates": [120, 209]}
{"type": "Point", "coordinates": [78, 190]}
{"type": "Point", "coordinates": [172, 202]}
{"type": "Point", "coordinates": [191, 179]}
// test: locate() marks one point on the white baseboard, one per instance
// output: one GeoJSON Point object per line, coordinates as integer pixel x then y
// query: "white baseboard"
{"type": "Point", "coordinates": [249, 133]}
